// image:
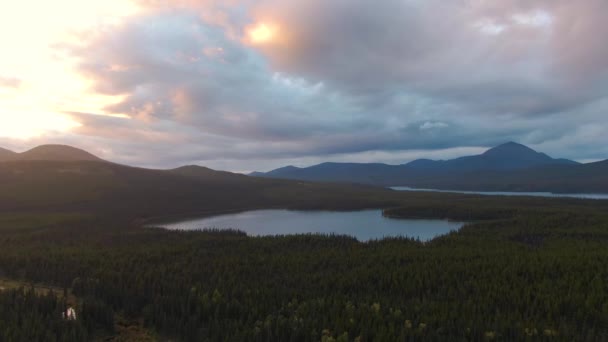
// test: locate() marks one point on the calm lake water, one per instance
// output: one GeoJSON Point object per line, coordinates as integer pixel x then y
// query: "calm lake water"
{"type": "Point", "coordinates": [500, 193]}
{"type": "Point", "coordinates": [364, 225]}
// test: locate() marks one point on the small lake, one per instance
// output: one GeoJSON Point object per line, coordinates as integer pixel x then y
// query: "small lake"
{"type": "Point", "coordinates": [504, 193]}
{"type": "Point", "coordinates": [364, 225]}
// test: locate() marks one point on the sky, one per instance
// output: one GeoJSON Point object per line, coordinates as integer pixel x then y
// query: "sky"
{"type": "Point", "coordinates": [259, 84]}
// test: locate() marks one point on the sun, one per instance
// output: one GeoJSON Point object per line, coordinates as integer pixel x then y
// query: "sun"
{"type": "Point", "coordinates": [262, 33]}
{"type": "Point", "coordinates": [39, 79]}
{"type": "Point", "coordinates": [27, 125]}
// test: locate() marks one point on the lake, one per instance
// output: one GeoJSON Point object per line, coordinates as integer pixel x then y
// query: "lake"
{"type": "Point", "coordinates": [504, 193]}
{"type": "Point", "coordinates": [364, 225]}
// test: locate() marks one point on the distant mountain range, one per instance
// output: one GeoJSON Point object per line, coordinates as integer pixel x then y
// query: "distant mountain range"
{"type": "Point", "coordinates": [508, 167]}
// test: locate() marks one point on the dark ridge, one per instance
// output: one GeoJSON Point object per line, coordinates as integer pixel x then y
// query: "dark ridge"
{"type": "Point", "coordinates": [510, 166]}
{"type": "Point", "coordinates": [7, 154]}
{"type": "Point", "coordinates": [56, 153]}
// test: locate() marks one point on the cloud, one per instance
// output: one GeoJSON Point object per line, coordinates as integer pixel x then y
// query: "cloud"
{"type": "Point", "coordinates": [535, 66]}
{"type": "Point", "coordinates": [345, 78]}
{"type": "Point", "coordinates": [433, 125]}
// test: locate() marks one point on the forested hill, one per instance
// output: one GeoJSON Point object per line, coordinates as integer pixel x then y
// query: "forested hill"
{"type": "Point", "coordinates": [508, 167]}
{"type": "Point", "coordinates": [112, 189]}
{"type": "Point", "coordinates": [582, 178]}
{"type": "Point", "coordinates": [524, 268]}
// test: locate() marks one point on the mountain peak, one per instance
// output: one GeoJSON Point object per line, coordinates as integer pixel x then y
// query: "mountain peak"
{"type": "Point", "coordinates": [192, 168]}
{"type": "Point", "coordinates": [57, 153]}
{"type": "Point", "coordinates": [513, 143]}
{"type": "Point", "coordinates": [510, 149]}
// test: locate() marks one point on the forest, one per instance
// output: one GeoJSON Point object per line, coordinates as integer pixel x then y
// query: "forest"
{"type": "Point", "coordinates": [521, 269]}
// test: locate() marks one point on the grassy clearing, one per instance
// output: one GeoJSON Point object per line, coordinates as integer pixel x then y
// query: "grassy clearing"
{"type": "Point", "coordinates": [40, 289]}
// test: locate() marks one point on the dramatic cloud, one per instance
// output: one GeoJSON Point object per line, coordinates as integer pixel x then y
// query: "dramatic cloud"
{"type": "Point", "coordinates": [256, 84]}
{"type": "Point", "coordinates": [545, 57]}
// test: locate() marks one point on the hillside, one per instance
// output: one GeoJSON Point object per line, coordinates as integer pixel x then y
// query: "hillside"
{"type": "Point", "coordinates": [49, 153]}
{"type": "Point", "coordinates": [7, 154]}
{"type": "Point", "coordinates": [582, 178]}
{"type": "Point", "coordinates": [202, 173]}
{"type": "Point", "coordinates": [340, 172]}
{"type": "Point", "coordinates": [509, 156]}
{"type": "Point", "coordinates": [57, 152]}
{"type": "Point", "coordinates": [118, 190]}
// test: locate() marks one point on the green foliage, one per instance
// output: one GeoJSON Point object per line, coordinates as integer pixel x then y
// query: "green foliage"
{"type": "Point", "coordinates": [28, 316]}
{"type": "Point", "coordinates": [126, 193]}
{"type": "Point", "coordinates": [539, 272]}
{"type": "Point", "coordinates": [523, 269]}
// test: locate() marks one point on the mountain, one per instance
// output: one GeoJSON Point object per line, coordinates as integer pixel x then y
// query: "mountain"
{"type": "Point", "coordinates": [58, 153]}
{"type": "Point", "coordinates": [49, 153]}
{"type": "Point", "coordinates": [509, 158]}
{"type": "Point", "coordinates": [202, 173]}
{"type": "Point", "coordinates": [6, 154]}
{"type": "Point", "coordinates": [118, 191]}
{"type": "Point", "coordinates": [339, 172]}
{"type": "Point", "coordinates": [285, 169]}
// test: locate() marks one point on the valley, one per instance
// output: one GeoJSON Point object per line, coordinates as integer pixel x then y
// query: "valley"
{"type": "Point", "coordinates": [303, 171]}
{"type": "Point", "coordinates": [521, 268]}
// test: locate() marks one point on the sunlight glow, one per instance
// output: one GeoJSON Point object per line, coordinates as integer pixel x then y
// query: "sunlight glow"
{"type": "Point", "coordinates": [34, 35]}
{"type": "Point", "coordinates": [262, 33]}
{"type": "Point", "coordinates": [22, 126]}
